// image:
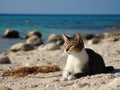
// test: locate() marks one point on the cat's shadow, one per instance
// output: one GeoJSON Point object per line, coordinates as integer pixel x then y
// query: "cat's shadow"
{"type": "Point", "coordinates": [116, 71]}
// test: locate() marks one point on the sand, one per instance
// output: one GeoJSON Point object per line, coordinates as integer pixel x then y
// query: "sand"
{"type": "Point", "coordinates": [109, 49]}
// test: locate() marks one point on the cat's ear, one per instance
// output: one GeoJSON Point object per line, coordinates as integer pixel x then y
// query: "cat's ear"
{"type": "Point", "coordinates": [65, 37]}
{"type": "Point", "coordinates": [78, 37]}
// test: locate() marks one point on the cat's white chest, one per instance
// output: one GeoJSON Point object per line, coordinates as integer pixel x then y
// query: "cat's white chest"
{"type": "Point", "coordinates": [76, 62]}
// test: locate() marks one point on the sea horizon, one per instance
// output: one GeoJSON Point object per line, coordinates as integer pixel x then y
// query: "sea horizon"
{"type": "Point", "coordinates": [55, 14]}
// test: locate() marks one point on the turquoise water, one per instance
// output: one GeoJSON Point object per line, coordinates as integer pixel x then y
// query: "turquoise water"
{"type": "Point", "coordinates": [48, 24]}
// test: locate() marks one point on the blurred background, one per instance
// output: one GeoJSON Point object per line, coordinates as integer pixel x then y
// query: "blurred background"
{"type": "Point", "coordinates": [58, 16]}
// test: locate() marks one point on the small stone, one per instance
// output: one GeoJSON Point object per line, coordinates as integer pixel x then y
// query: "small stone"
{"type": "Point", "coordinates": [66, 83]}
{"type": "Point", "coordinates": [38, 59]}
{"type": "Point", "coordinates": [33, 86]}
{"type": "Point", "coordinates": [21, 47]}
{"type": "Point", "coordinates": [89, 36]}
{"type": "Point", "coordinates": [28, 58]}
{"type": "Point", "coordinates": [49, 87]}
{"type": "Point", "coordinates": [96, 40]}
{"type": "Point", "coordinates": [5, 60]}
{"type": "Point", "coordinates": [116, 39]}
{"type": "Point", "coordinates": [43, 59]}
{"type": "Point", "coordinates": [118, 86]}
{"type": "Point", "coordinates": [103, 82]}
{"type": "Point", "coordinates": [81, 85]}
{"type": "Point", "coordinates": [110, 77]}
{"type": "Point", "coordinates": [49, 46]}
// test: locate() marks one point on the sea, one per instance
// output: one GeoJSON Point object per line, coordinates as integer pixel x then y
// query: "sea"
{"type": "Point", "coordinates": [58, 24]}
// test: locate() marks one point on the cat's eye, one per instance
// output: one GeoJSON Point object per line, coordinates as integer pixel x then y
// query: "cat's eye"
{"type": "Point", "coordinates": [71, 45]}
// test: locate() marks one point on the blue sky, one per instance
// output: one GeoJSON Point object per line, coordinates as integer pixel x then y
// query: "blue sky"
{"type": "Point", "coordinates": [60, 6]}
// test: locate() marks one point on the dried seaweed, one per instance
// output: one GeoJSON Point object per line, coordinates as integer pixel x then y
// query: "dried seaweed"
{"type": "Point", "coordinates": [24, 71]}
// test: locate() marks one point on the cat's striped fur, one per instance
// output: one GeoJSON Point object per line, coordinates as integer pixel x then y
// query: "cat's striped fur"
{"type": "Point", "coordinates": [81, 61]}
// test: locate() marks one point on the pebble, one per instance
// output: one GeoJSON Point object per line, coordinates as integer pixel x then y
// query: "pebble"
{"type": "Point", "coordinates": [66, 83]}
{"type": "Point", "coordinates": [5, 60]}
{"type": "Point", "coordinates": [81, 85]}
{"type": "Point", "coordinates": [50, 87]}
{"type": "Point", "coordinates": [110, 77]}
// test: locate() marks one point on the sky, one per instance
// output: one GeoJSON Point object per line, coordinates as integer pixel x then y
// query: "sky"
{"type": "Point", "coordinates": [60, 6]}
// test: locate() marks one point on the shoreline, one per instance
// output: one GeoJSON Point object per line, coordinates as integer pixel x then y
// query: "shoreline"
{"type": "Point", "coordinates": [6, 43]}
{"type": "Point", "coordinates": [108, 47]}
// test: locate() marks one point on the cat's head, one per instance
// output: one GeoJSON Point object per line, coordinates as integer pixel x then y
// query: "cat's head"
{"type": "Point", "coordinates": [73, 44]}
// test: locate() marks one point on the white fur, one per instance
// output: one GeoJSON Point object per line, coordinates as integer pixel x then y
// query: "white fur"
{"type": "Point", "coordinates": [75, 63]}
{"type": "Point", "coordinates": [65, 75]}
{"type": "Point", "coordinates": [71, 77]}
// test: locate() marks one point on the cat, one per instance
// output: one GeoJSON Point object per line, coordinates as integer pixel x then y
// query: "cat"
{"type": "Point", "coordinates": [81, 61]}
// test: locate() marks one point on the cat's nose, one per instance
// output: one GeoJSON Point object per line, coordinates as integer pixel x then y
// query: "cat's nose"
{"type": "Point", "coordinates": [67, 49]}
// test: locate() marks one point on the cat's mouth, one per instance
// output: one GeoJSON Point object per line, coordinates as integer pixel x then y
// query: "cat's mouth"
{"type": "Point", "coordinates": [67, 52]}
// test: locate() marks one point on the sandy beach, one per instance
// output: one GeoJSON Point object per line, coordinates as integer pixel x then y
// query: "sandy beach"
{"type": "Point", "coordinates": [108, 47]}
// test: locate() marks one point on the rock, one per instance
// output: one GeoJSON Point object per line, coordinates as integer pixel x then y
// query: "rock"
{"type": "Point", "coordinates": [116, 39]}
{"type": "Point", "coordinates": [4, 88]}
{"type": "Point", "coordinates": [60, 42]}
{"type": "Point", "coordinates": [94, 41]}
{"type": "Point", "coordinates": [32, 33]}
{"type": "Point", "coordinates": [49, 87]}
{"type": "Point", "coordinates": [4, 60]}
{"type": "Point", "coordinates": [55, 38]}
{"type": "Point", "coordinates": [34, 40]}
{"type": "Point", "coordinates": [21, 47]}
{"type": "Point", "coordinates": [89, 36]}
{"type": "Point", "coordinates": [113, 35]}
{"type": "Point", "coordinates": [11, 34]}
{"type": "Point", "coordinates": [110, 76]}
{"type": "Point", "coordinates": [49, 46]}
{"type": "Point", "coordinates": [107, 35]}
{"type": "Point", "coordinates": [81, 85]}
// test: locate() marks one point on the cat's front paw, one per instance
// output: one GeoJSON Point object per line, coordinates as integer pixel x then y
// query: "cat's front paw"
{"type": "Point", "coordinates": [71, 77]}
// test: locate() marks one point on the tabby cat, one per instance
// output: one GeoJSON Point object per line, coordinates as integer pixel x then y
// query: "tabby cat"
{"type": "Point", "coordinates": [81, 61]}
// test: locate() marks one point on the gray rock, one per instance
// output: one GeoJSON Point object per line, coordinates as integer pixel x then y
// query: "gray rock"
{"type": "Point", "coordinates": [49, 46]}
{"type": "Point", "coordinates": [89, 36]}
{"type": "Point", "coordinates": [55, 38]}
{"type": "Point", "coordinates": [11, 34]}
{"type": "Point", "coordinates": [32, 33]}
{"type": "Point", "coordinates": [113, 35]}
{"type": "Point", "coordinates": [21, 47]}
{"type": "Point", "coordinates": [34, 40]}
{"type": "Point", "coordinates": [5, 60]}
{"type": "Point", "coordinates": [96, 40]}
